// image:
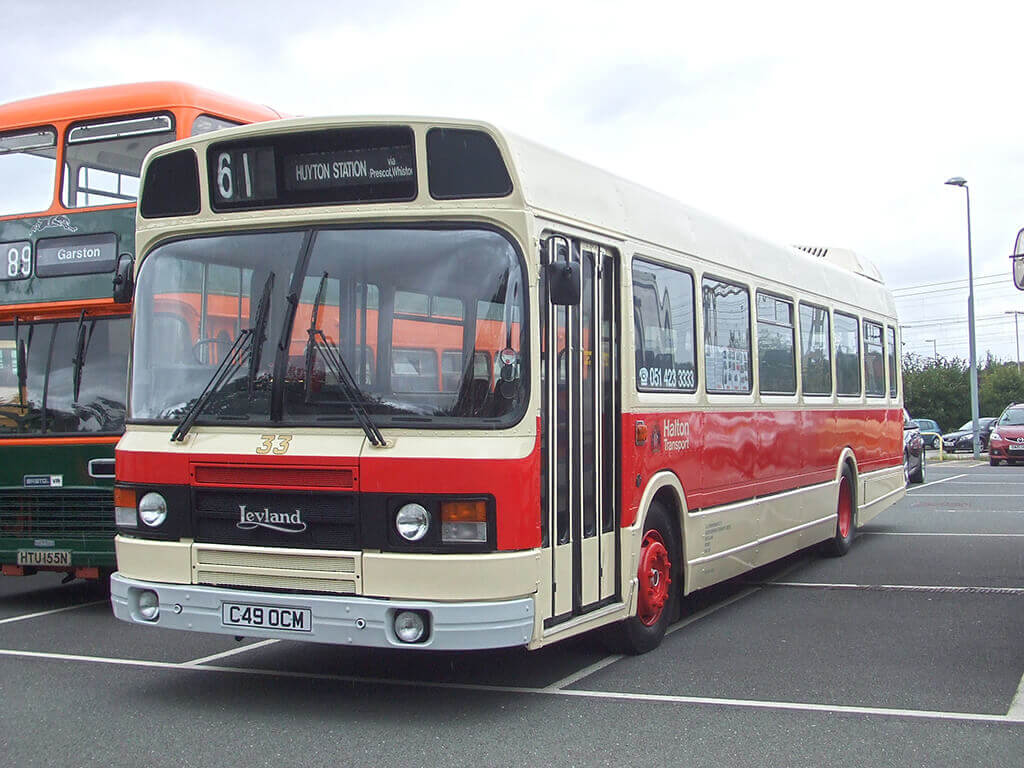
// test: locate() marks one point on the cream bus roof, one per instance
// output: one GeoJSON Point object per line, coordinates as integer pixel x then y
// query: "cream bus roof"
{"type": "Point", "coordinates": [596, 196]}
{"type": "Point", "coordinates": [561, 187]}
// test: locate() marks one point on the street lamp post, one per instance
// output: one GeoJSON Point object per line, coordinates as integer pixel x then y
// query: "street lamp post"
{"type": "Point", "coordinates": [1016, 334]}
{"type": "Point", "coordinates": [935, 348]}
{"type": "Point", "coordinates": [959, 181]}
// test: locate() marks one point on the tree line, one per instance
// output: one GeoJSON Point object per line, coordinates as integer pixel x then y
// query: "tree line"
{"type": "Point", "coordinates": [939, 388]}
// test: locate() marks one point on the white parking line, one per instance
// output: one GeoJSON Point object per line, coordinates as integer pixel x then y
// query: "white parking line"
{"type": "Point", "coordinates": [597, 666]}
{"type": "Point", "coordinates": [36, 615]}
{"type": "Point", "coordinates": [935, 482]}
{"type": "Point", "coordinates": [973, 482]}
{"type": "Point", "coordinates": [232, 652]}
{"type": "Point", "coordinates": [924, 714]}
{"type": "Point", "coordinates": [901, 588]}
{"type": "Point", "coordinates": [983, 536]}
{"type": "Point", "coordinates": [969, 495]}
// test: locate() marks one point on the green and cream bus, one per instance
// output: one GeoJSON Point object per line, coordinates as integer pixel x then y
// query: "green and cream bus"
{"type": "Point", "coordinates": [69, 176]}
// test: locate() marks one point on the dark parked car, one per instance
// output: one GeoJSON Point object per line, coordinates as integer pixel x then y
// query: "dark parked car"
{"type": "Point", "coordinates": [1007, 438]}
{"type": "Point", "coordinates": [963, 438]}
{"type": "Point", "coordinates": [913, 451]}
{"type": "Point", "coordinates": [929, 425]}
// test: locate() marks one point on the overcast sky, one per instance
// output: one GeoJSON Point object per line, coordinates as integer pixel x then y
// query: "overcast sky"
{"type": "Point", "coordinates": [815, 123]}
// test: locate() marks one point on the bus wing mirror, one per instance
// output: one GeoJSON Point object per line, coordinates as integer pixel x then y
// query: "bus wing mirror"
{"type": "Point", "coordinates": [562, 276]}
{"type": "Point", "coordinates": [1018, 261]}
{"type": "Point", "coordinates": [124, 278]}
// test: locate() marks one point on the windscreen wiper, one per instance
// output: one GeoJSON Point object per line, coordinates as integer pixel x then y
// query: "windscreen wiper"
{"type": "Point", "coordinates": [229, 365]}
{"type": "Point", "coordinates": [79, 356]}
{"type": "Point", "coordinates": [307, 385]}
{"type": "Point", "coordinates": [21, 363]}
{"type": "Point", "coordinates": [259, 331]}
{"type": "Point", "coordinates": [241, 352]}
{"type": "Point", "coordinates": [317, 342]}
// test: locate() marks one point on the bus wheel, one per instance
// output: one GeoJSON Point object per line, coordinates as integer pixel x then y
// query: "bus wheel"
{"type": "Point", "coordinates": [657, 588]}
{"type": "Point", "coordinates": [842, 540]}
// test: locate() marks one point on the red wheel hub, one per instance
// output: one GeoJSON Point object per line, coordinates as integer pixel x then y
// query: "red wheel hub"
{"type": "Point", "coordinates": [654, 575]}
{"type": "Point", "coordinates": [845, 508]}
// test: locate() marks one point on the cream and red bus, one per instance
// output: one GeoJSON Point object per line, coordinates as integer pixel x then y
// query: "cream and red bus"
{"type": "Point", "coordinates": [421, 383]}
{"type": "Point", "coordinates": [69, 175]}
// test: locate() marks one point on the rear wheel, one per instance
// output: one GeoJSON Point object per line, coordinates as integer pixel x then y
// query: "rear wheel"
{"type": "Point", "coordinates": [917, 476]}
{"type": "Point", "coordinates": [842, 539]}
{"type": "Point", "coordinates": [657, 585]}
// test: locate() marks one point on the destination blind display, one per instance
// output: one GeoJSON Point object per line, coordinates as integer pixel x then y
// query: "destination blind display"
{"type": "Point", "coordinates": [350, 165]}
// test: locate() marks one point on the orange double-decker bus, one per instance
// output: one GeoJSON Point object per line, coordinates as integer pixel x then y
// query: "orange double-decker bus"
{"type": "Point", "coordinates": [69, 179]}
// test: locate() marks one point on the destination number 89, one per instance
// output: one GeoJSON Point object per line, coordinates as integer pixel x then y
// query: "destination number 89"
{"type": "Point", "coordinates": [19, 261]}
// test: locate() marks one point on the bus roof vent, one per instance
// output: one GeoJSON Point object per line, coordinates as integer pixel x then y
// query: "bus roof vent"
{"type": "Point", "coordinates": [845, 258]}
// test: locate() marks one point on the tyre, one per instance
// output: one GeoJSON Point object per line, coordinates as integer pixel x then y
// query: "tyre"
{"type": "Point", "coordinates": [658, 575]}
{"type": "Point", "coordinates": [993, 462]}
{"type": "Point", "coordinates": [917, 476]}
{"type": "Point", "coordinates": [846, 504]}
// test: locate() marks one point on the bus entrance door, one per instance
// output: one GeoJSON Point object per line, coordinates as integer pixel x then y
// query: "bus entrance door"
{"type": "Point", "coordinates": [581, 426]}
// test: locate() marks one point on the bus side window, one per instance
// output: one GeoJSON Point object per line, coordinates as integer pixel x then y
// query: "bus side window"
{"type": "Point", "coordinates": [663, 320]}
{"type": "Point", "coordinates": [847, 344]}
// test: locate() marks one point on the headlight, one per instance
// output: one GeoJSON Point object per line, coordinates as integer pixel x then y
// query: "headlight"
{"type": "Point", "coordinates": [409, 626]}
{"type": "Point", "coordinates": [412, 522]}
{"type": "Point", "coordinates": [149, 605]}
{"type": "Point", "coordinates": [153, 509]}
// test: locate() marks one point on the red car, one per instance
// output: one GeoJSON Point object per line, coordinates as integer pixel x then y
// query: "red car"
{"type": "Point", "coordinates": [1007, 438]}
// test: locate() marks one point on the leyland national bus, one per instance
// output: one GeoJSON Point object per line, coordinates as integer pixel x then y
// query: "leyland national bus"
{"type": "Point", "coordinates": [421, 383]}
{"type": "Point", "coordinates": [69, 175]}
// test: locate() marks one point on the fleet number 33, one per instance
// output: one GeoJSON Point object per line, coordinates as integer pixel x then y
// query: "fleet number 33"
{"type": "Point", "coordinates": [276, 444]}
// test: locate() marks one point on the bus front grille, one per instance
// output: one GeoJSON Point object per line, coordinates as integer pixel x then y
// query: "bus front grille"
{"type": "Point", "coordinates": [294, 570]}
{"type": "Point", "coordinates": [56, 513]}
{"type": "Point", "coordinates": [315, 520]}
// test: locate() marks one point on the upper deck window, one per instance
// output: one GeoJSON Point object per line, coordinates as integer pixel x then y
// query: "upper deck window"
{"type": "Point", "coordinates": [465, 164]}
{"type": "Point", "coordinates": [208, 123]}
{"type": "Point", "coordinates": [103, 158]}
{"type": "Point", "coordinates": [28, 164]}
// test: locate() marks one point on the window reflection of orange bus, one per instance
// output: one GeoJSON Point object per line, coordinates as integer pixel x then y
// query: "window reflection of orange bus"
{"type": "Point", "coordinates": [69, 175]}
{"type": "Point", "coordinates": [425, 357]}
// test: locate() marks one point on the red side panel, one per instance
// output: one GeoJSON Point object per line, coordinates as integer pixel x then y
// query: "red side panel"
{"type": "Point", "coordinates": [725, 457]}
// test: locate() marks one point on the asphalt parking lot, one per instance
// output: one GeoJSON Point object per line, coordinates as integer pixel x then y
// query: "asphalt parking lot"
{"type": "Point", "coordinates": [908, 651]}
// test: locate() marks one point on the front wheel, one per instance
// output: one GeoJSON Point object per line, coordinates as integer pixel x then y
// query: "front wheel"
{"type": "Point", "coordinates": [657, 585]}
{"type": "Point", "coordinates": [842, 539]}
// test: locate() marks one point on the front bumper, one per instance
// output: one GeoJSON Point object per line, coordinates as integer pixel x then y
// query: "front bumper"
{"type": "Point", "coordinates": [1006, 450]}
{"type": "Point", "coordinates": [336, 619]}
